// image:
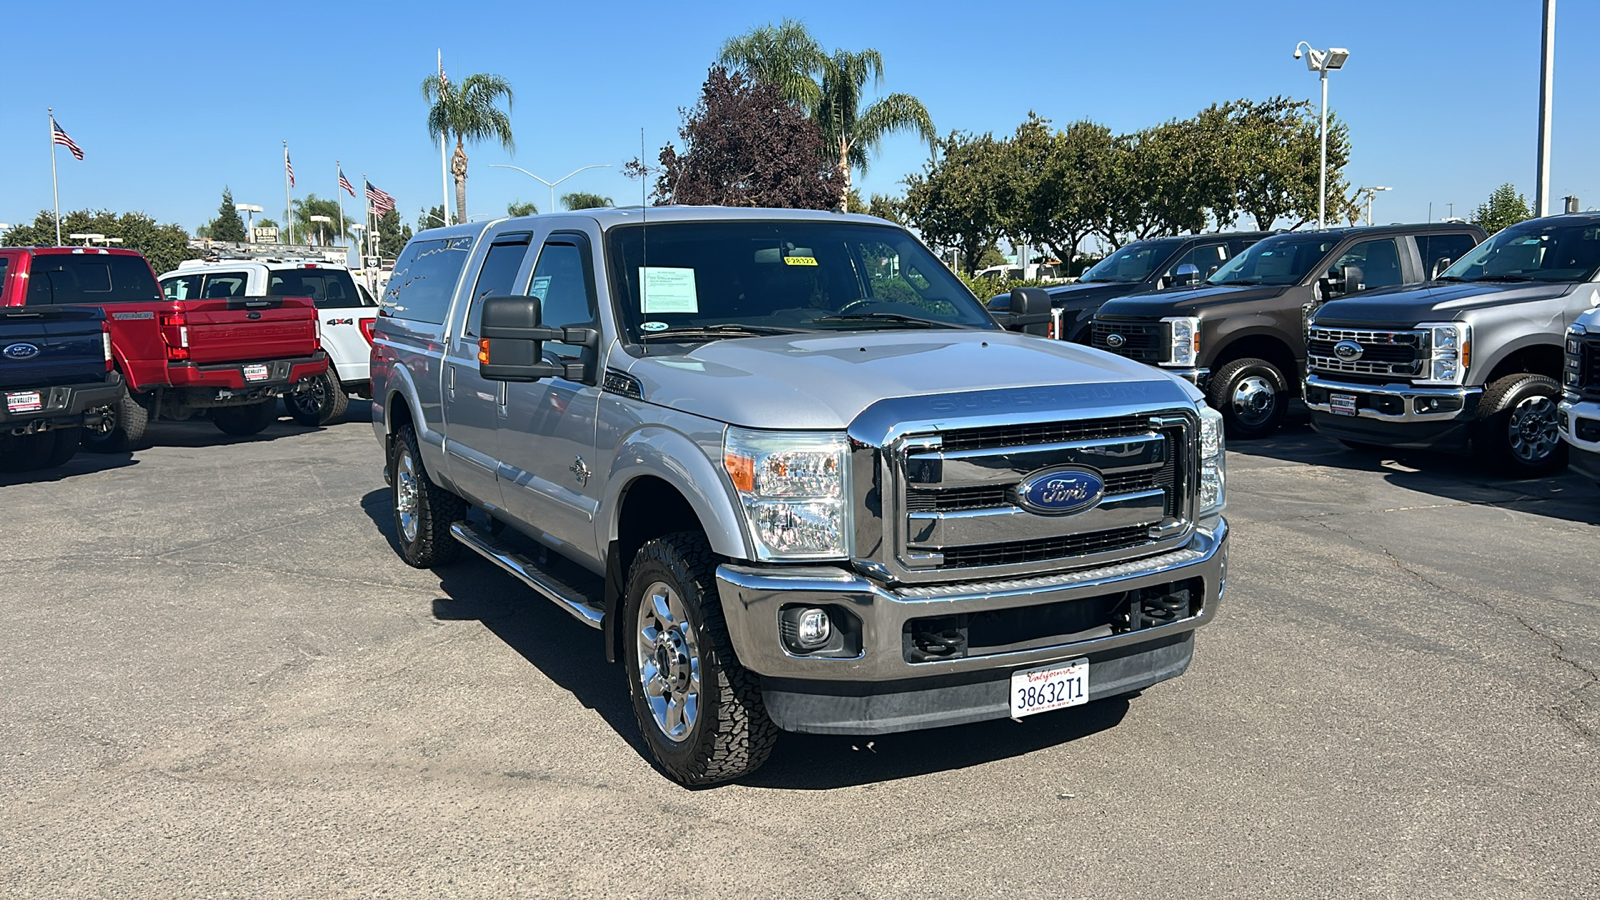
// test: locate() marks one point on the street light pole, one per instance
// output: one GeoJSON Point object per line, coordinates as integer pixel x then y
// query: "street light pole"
{"type": "Point", "coordinates": [551, 184]}
{"type": "Point", "coordinates": [250, 210]}
{"type": "Point", "coordinates": [1320, 61]}
{"type": "Point", "coordinates": [1547, 66]}
{"type": "Point", "coordinates": [321, 221]}
{"type": "Point", "coordinates": [1370, 192]}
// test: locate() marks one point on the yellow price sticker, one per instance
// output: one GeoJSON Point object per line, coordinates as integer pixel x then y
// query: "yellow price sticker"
{"type": "Point", "coordinates": [799, 260]}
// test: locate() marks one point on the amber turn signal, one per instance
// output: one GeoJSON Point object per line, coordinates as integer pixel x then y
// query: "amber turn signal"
{"type": "Point", "coordinates": [483, 351]}
{"type": "Point", "coordinates": [742, 469]}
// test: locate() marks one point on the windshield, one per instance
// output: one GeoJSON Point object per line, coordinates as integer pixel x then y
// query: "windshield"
{"type": "Point", "coordinates": [1536, 250]}
{"type": "Point", "coordinates": [1284, 259]}
{"type": "Point", "coordinates": [327, 288]}
{"type": "Point", "coordinates": [1133, 263]}
{"type": "Point", "coordinates": [738, 278]}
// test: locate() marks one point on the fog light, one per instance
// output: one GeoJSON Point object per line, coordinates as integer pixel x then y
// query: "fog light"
{"type": "Point", "coordinates": [806, 628]}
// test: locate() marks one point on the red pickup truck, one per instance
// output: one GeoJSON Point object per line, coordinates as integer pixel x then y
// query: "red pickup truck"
{"type": "Point", "coordinates": [231, 358]}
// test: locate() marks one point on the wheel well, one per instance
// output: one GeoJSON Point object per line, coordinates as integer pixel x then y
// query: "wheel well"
{"type": "Point", "coordinates": [1261, 346]}
{"type": "Point", "coordinates": [647, 509]}
{"type": "Point", "coordinates": [1539, 359]}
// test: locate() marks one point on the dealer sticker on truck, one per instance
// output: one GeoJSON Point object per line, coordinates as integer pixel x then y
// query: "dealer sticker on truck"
{"type": "Point", "coordinates": [23, 402]}
{"type": "Point", "coordinates": [1055, 686]}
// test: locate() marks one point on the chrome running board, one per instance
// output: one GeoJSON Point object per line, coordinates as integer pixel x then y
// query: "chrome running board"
{"type": "Point", "coordinates": [582, 605]}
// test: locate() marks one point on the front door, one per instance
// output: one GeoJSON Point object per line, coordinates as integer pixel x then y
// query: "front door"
{"type": "Point", "coordinates": [547, 433]}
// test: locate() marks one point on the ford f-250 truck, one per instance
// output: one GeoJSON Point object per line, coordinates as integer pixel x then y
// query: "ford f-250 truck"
{"type": "Point", "coordinates": [794, 472]}
{"type": "Point", "coordinates": [55, 379]}
{"type": "Point", "coordinates": [1579, 413]}
{"type": "Point", "coordinates": [1241, 336]}
{"type": "Point", "coordinates": [1471, 360]}
{"type": "Point", "coordinates": [230, 358]}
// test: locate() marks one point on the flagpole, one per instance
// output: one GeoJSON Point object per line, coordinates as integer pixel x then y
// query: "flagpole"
{"type": "Point", "coordinates": [372, 224]}
{"type": "Point", "coordinates": [288, 206]}
{"type": "Point", "coordinates": [444, 138]}
{"type": "Point", "coordinates": [55, 191]}
{"type": "Point", "coordinates": [336, 192]}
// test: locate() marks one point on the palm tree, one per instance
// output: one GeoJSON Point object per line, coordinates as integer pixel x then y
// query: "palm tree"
{"type": "Point", "coordinates": [467, 111]}
{"type": "Point", "coordinates": [829, 88]}
{"type": "Point", "coordinates": [312, 205]}
{"type": "Point", "coordinates": [585, 200]}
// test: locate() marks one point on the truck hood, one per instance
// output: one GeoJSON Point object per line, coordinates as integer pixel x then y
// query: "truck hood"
{"type": "Point", "coordinates": [1160, 304]}
{"type": "Point", "coordinates": [1439, 301]}
{"type": "Point", "coordinates": [823, 381]}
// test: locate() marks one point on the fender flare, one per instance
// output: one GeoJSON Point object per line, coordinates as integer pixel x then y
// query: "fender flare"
{"type": "Point", "coordinates": [671, 456]}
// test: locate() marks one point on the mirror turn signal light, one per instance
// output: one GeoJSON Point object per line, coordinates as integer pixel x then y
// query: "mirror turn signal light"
{"type": "Point", "coordinates": [483, 351]}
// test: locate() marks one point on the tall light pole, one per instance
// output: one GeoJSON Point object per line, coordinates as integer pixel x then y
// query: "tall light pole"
{"type": "Point", "coordinates": [324, 220]}
{"type": "Point", "coordinates": [551, 184]}
{"type": "Point", "coordinates": [1547, 75]}
{"type": "Point", "coordinates": [86, 238]}
{"type": "Point", "coordinates": [1370, 191]}
{"type": "Point", "coordinates": [250, 210]}
{"type": "Point", "coordinates": [1321, 62]}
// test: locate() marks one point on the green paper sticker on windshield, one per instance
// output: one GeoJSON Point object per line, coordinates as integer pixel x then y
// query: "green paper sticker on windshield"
{"type": "Point", "coordinates": [667, 290]}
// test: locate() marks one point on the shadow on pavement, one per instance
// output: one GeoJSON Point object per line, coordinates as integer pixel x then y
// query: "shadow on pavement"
{"type": "Point", "coordinates": [83, 463]}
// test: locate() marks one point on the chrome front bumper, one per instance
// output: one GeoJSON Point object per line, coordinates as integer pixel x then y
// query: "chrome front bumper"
{"type": "Point", "coordinates": [752, 597]}
{"type": "Point", "coordinates": [1408, 394]}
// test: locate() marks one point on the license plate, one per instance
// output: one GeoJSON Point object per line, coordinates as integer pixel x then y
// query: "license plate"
{"type": "Point", "coordinates": [1342, 404]}
{"type": "Point", "coordinates": [24, 401]}
{"type": "Point", "coordinates": [255, 373]}
{"type": "Point", "coordinates": [1055, 686]}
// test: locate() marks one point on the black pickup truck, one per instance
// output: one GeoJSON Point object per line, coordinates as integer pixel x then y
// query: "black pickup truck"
{"type": "Point", "coordinates": [56, 379]}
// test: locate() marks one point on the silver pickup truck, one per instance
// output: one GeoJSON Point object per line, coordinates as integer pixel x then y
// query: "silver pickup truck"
{"type": "Point", "coordinates": [794, 472]}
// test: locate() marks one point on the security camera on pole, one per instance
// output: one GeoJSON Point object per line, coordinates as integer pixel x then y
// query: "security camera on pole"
{"type": "Point", "coordinates": [1321, 62]}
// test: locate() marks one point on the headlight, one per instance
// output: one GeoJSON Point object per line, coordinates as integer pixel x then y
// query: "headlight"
{"type": "Point", "coordinates": [1213, 464]}
{"type": "Point", "coordinates": [1184, 350]}
{"type": "Point", "coordinates": [1572, 372]}
{"type": "Point", "coordinates": [1449, 352]}
{"type": "Point", "coordinates": [794, 491]}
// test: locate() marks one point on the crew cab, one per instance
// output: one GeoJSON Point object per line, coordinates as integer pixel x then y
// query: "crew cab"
{"type": "Point", "coordinates": [1470, 361]}
{"type": "Point", "coordinates": [1241, 336]}
{"type": "Point", "coordinates": [345, 313]}
{"type": "Point", "coordinates": [55, 380]}
{"type": "Point", "coordinates": [229, 359]}
{"type": "Point", "coordinates": [795, 474]}
{"type": "Point", "coordinates": [1156, 264]}
{"type": "Point", "coordinates": [1578, 416]}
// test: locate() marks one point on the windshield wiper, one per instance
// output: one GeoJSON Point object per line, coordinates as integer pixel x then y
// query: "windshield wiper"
{"type": "Point", "coordinates": [1243, 283]}
{"type": "Point", "coordinates": [1504, 278]}
{"type": "Point", "coordinates": [727, 329]}
{"type": "Point", "coordinates": [896, 318]}
{"type": "Point", "coordinates": [1451, 278]}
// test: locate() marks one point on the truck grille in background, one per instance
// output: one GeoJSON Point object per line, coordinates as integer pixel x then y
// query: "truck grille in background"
{"type": "Point", "coordinates": [1144, 461]}
{"type": "Point", "coordinates": [1143, 341]}
{"type": "Point", "coordinates": [1588, 368]}
{"type": "Point", "coordinates": [1384, 354]}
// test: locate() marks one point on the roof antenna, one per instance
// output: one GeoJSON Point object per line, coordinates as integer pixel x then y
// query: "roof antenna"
{"type": "Point", "coordinates": [644, 237]}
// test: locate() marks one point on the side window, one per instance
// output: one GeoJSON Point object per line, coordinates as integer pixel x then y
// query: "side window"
{"type": "Point", "coordinates": [564, 283]}
{"type": "Point", "coordinates": [221, 285]}
{"type": "Point", "coordinates": [495, 278]}
{"type": "Point", "coordinates": [424, 278]}
{"type": "Point", "coordinates": [1433, 248]}
{"type": "Point", "coordinates": [1208, 258]}
{"type": "Point", "coordinates": [182, 287]}
{"type": "Point", "coordinates": [1379, 261]}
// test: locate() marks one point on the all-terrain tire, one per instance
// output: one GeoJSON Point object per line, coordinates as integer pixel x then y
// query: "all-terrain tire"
{"type": "Point", "coordinates": [1516, 427]}
{"type": "Point", "coordinates": [23, 452]}
{"type": "Point", "coordinates": [731, 735]}
{"type": "Point", "coordinates": [324, 404]}
{"type": "Point", "coordinates": [64, 444]}
{"type": "Point", "coordinates": [423, 511]}
{"type": "Point", "coordinates": [122, 429]}
{"type": "Point", "coordinates": [1252, 395]}
{"type": "Point", "coordinates": [243, 421]}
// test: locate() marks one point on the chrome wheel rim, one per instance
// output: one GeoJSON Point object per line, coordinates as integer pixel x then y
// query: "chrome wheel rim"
{"type": "Point", "coordinates": [1533, 429]}
{"type": "Point", "coordinates": [310, 401]}
{"type": "Point", "coordinates": [667, 653]}
{"type": "Point", "coordinates": [405, 495]}
{"type": "Point", "coordinates": [1253, 400]}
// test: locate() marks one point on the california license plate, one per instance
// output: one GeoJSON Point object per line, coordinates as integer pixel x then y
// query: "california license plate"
{"type": "Point", "coordinates": [1342, 404]}
{"type": "Point", "coordinates": [255, 373]}
{"type": "Point", "coordinates": [24, 402]}
{"type": "Point", "coordinates": [1055, 686]}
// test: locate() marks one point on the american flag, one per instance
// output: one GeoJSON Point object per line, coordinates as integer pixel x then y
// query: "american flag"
{"type": "Point", "coordinates": [288, 167]}
{"type": "Point", "coordinates": [58, 136]}
{"type": "Point", "coordinates": [381, 202]}
{"type": "Point", "coordinates": [345, 183]}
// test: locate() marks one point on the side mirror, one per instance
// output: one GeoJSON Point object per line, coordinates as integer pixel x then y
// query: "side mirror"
{"type": "Point", "coordinates": [1343, 280]}
{"type": "Point", "coordinates": [1439, 267]}
{"type": "Point", "coordinates": [1186, 275]}
{"type": "Point", "coordinates": [511, 342]}
{"type": "Point", "coordinates": [1030, 306]}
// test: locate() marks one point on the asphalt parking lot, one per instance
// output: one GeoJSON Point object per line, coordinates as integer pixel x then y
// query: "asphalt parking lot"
{"type": "Point", "coordinates": [219, 679]}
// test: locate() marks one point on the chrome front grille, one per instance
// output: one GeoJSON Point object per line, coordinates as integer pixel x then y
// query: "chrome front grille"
{"type": "Point", "coordinates": [958, 513]}
{"type": "Point", "coordinates": [1386, 354]}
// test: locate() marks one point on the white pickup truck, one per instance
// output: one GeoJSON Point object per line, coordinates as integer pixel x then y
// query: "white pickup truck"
{"type": "Point", "coordinates": [345, 315]}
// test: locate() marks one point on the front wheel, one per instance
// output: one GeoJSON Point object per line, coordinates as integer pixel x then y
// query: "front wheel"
{"type": "Point", "coordinates": [324, 403]}
{"type": "Point", "coordinates": [1252, 396]}
{"type": "Point", "coordinates": [423, 511]}
{"type": "Point", "coordinates": [699, 710]}
{"type": "Point", "coordinates": [243, 421]}
{"type": "Point", "coordinates": [1517, 428]}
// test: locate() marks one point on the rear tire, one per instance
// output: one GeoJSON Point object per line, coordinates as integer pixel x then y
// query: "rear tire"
{"type": "Point", "coordinates": [23, 452]}
{"type": "Point", "coordinates": [1252, 396]}
{"type": "Point", "coordinates": [699, 710]}
{"type": "Point", "coordinates": [63, 446]}
{"type": "Point", "coordinates": [122, 428]}
{"type": "Point", "coordinates": [323, 404]}
{"type": "Point", "coordinates": [1516, 427]}
{"type": "Point", "coordinates": [244, 421]}
{"type": "Point", "coordinates": [423, 511]}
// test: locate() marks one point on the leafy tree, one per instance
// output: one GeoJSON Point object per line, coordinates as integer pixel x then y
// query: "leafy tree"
{"type": "Point", "coordinates": [392, 236]}
{"type": "Point", "coordinates": [1504, 207]}
{"type": "Point", "coordinates": [265, 222]}
{"type": "Point", "coordinates": [953, 202]}
{"type": "Point", "coordinates": [829, 87]}
{"type": "Point", "coordinates": [991, 256]}
{"type": "Point", "coordinates": [582, 200]}
{"type": "Point", "coordinates": [163, 245]}
{"type": "Point", "coordinates": [432, 217]}
{"type": "Point", "coordinates": [1271, 153]}
{"type": "Point", "coordinates": [468, 111]}
{"type": "Point", "coordinates": [520, 208]}
{"type": "Point", "coordinates": [312, 205]}
{"type": "Point", "coordinates": [743, 146]}
{"type": "Point", "coordinates": [227, 226]}
{"type": "Point", "coordinates": [885, 207]}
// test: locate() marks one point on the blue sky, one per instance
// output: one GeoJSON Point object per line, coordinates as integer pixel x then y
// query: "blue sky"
{"type": "Point", "coordinates": [172, 101]}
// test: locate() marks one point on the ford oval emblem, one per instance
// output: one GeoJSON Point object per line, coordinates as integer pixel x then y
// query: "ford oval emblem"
{"type": "Point", "coordinates": [1115, 340]}
{"type": "Point", "coordinates": [21, 351]}
{"type": "Point", "coordinates": [1060, 492]}
{"type": "Point", "coordinates": [1349, 351]}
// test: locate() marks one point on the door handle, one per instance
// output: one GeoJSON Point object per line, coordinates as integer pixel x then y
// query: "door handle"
{"type": "Point", "coordinates": [450, 381]}
{"type": "Point", "coordinates": [502, 398]}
